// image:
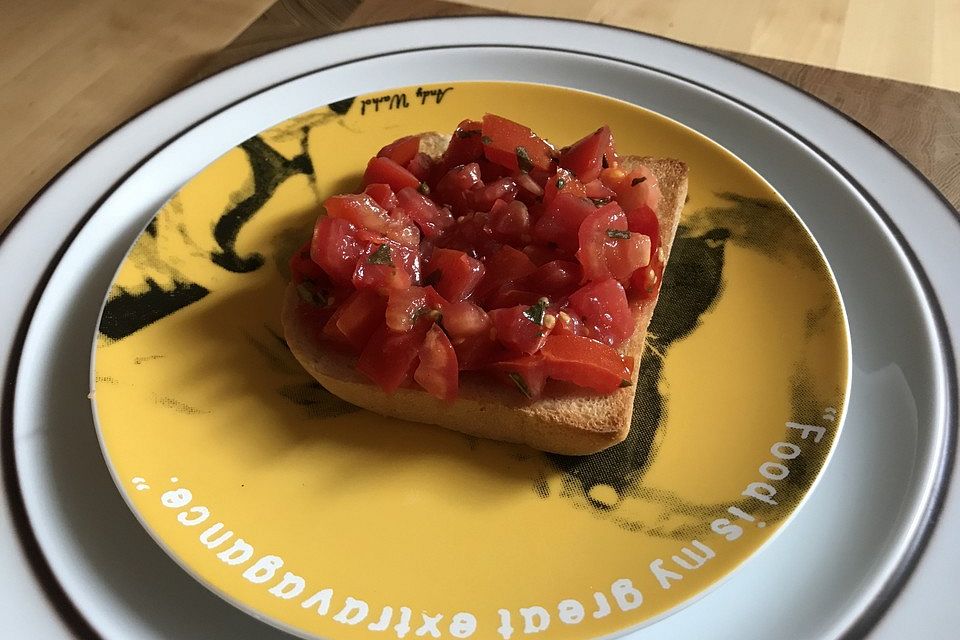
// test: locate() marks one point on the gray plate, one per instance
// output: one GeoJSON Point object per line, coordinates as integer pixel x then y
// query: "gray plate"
{"type": "Point", "coordinates": [833, 568]}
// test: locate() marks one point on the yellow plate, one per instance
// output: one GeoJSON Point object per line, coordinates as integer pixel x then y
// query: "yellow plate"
{"type": "Point", "coordinates": [327, 520]}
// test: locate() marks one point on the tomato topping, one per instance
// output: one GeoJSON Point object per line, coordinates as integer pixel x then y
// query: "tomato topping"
{"type": "Point", "coordinates": [402, 150]}
{"type": "Point", "coordinates": [506, 265]}
{"type": "Point", "coordinates": [454, 274]}
{"type": "Point", "coordinates": [389, 172]}
{"type": "Point", "coordinates": [523, 328]}
{"type": "Point", "coordinates": [645, 282]}
{"type": "Point", "coordinates": [454, 187]}
{"type": "Point", "coordinates": [586, 363]}
{"type": "Point", "coordinates": [356, 318]}
{"type": "Point", "coordinates": [438, 372]}
{"type": "Point", "coordinates": [431, 219]}
{"type": "Point", "coordinates": [589, 156]}
{"type": "Point", "coordinates": [465, 319]}
{"type": "Point", "coordinates": [608, 249]}
{"type": "Point", "coordinates": [335, 248]}
{"type": "Point", "coordinates": [465, 145]}
{"type": "Point", "coordinates": [513, 145]}
{"type": "Point", "coordinates": [501, 257]}
{"type": "Point", "coordinates": [563, 181]}
{"type": "Point", "coordinates": [388, 358]}
{"type": "Point", "coordinates": [603, 308]}
{"type": "Point", "coordinates": [527, 373]}
{"type": "Point", "coordinates": [383, 195]}
{"type": "Point", "coordinates": [386, 266]}
{"type": "Point", "coordinates": [561, 220]}
{"type": "Point", "coordinates": [364, 212]}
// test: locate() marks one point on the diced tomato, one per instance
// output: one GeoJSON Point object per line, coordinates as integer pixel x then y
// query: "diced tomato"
{"type": "Point", "coordinates": [510, 295]}
{"type": "Point", "coordinates": [529, 185]}
{"type": "Point", "coordinates": [521, 328]}
{"type": "Point", "coordinates": [646, 281]}
{"type": "Point", "coordinates": [364, 212]}
{"type": "Point", "coordinates": [634, 188]}
{"type": "Point", "coordinates": [402, 150]}
{"type": "Point", "coordinates": [527, 374]}
{"type": "Point", "coordinates": [465, 145]}
{"type": "Point", "coordinates": [590, 155]}
{"type": "Point", "coordinates": [585, 362]}
{"type": "Point", "coordinates": [607, 247]}
{"type": "Point", "coordinates": [561, 220]}
{"type": "Point", "coordinates": [303, 268]}
{"type": "Point", "coordinates": [505, 265]}
{"type": "Point", "coordinates": [563, 182]}
{"type": "Point", "coordinates": [356, 318]}
{"type": "Point", "coordinates": [438, 372]}
{"type": "Point", "coordinates": [431, 219]}
{"type": "Point", "coordinates": [596, 190]}
{"type": "Point", "coordinates": [513, 145]}
{"type": "Point", "coordinates": [603, 308]}
{"type": "Point", "coordinates": [387, 171]}
{"type": "Point", "coordinates": [335, 248]}
{"type": "Point", "coordinates": [388, 358]}
{"type": "Point", "coordinates": [383, 195]}
{"type": "Point", "coordinates": [556, 279]}
{"type": "Point", "coordinates": [453, 273]}
{"type": "Point", "coordinates": [569, 324]}
{"type": "Point", "coordinates": [465, 319]}
{"type": "Point", "coordinates": [475, 352]}
{"type": "Point", "coordinates": [405, 306]}
{"type": "Point", "coordinates": [452, 189]}
{"type": "Point", "coordinates": [385, 267]}
{"type": "Point", "coordinates": [483, 199]}
{"type": "Point", "coordinates": [510, 222]}
{"type": "Point", "coordinates": [471, 234]}
{"type": "Point", "coordinates": [420, 167]}
{"type": "Point", "coordinates": [541, 255]}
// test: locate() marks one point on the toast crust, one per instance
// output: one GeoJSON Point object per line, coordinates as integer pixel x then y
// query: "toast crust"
{"type": "Point", "coordinates": [566, 420]}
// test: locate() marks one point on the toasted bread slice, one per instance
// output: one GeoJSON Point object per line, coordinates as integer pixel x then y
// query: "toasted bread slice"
{"type": "Point", "coordinates": [564, 420]}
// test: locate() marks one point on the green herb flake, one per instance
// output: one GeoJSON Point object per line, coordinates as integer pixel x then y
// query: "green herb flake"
{"type": "Point", "coordinates": [618, 233]}
{"type": "Point", "coordinates": [307, 294]}
{"type": "Point", "coordinates": [381, 256]}
{"type": "Point", "coordinates": [600, 201]}
{"type": "Point", "coordinates": [521, 384]}
{"type": "Point", "coordinates": [625, 383]}
{"type": "Point", "coordinates": [560, 183]}
{"type": "Point", "coordinates": [468, 133]}
{"type": "Point", "coordinates": [637, 181]}
{"type": "Point", "coordinates": [424, 188]}
{"type": "Point", "coordinates": [523, 160]}
{"type": "Point", "coordinates": [535, 313]}
{"type": "Point", "coordinates": [486, 139]}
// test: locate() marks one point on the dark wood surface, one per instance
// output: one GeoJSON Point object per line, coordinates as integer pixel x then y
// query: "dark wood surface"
{"type": "Point", "coordinates": [921, 123]}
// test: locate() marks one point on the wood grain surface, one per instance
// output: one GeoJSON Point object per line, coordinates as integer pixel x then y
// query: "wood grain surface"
{"type": "Point", "coordinates": [69, 72]}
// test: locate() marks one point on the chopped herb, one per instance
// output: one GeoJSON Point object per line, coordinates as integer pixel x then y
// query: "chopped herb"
{"type": "Point", "coordinates": [603, 162]}
{"type": "Point", "coordinates": [469, 133]}
{"type": "Point", "coordinates": [535, 313]}
{"type": "Point", "coordinates": [313, 296]}
{"type": "Point", "coordinates": [523, 160]}
{"type": "Point", "coordinates": [381, 256]}
{"type": "Point", "coordinates": [560, 183]}
{"type": "Point", "coordinates": [486, 139]}
{"type": "Point", "coordinates": [521, 384]}
{"type": "Point", "coordinates": [424, 188]}
{"type": "Point", "coordinates": [600, 201]}
{"type": "Point", "coordinates": [618, 233]}
{"type": "Point", "coordinates": [637, 181]}
{"type": "Point", "coordinates": [432, 278]}
{"type": "Point", "coordinates": [624, 383]}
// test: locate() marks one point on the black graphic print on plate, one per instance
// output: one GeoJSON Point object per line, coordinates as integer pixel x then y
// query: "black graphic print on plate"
{"type": "Point", "coordinates": [128, 312]}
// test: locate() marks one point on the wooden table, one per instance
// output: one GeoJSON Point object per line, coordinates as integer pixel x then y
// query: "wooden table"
{"type": "Point", "coordinates": [921, 123]}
